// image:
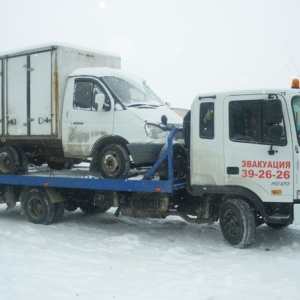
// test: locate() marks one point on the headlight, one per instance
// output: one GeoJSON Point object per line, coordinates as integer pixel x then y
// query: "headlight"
{"type": "Point", "coordinates": [154, 132]}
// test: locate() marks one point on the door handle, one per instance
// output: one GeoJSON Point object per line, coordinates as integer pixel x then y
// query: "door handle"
{"type": "Point", "coordinates": [77, 123]}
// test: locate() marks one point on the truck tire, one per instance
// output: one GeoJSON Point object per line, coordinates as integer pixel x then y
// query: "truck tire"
{"type": "Point", "coordinates": [71, 205]}
{"type": "Point", "coordinates": [38, 207]}
{"type": "Point", "coordinates": [9, 160]}
{"type": "Point", "coordinates": [90, 208]}
{"type": "Point", "coordinates": [113, 162]}
{"type": "Point", "coordinates": [23, 161]}
{"type": "Point", "coordinates": [179, 162]}
{"type": "Point", "coordinates": [237, 223]}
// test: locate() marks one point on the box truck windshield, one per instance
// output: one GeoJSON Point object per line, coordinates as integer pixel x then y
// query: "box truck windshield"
{"type": "Point", "coordinates": [131, 93]}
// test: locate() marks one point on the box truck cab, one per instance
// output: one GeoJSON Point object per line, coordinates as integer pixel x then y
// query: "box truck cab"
{"type": "Point", "coordinates": [61, 105]}
{"type": "Point", "coordinates": [116, 118]}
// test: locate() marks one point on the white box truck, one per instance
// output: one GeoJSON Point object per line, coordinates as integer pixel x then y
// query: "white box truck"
{"type": "Point", "coordinates": [61, 105]}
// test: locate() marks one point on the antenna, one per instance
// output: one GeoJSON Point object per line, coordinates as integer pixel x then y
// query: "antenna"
{"type": "Point", "coordinates": [291, 74]}
{"type": "Point", "coordinates": [291, 58]}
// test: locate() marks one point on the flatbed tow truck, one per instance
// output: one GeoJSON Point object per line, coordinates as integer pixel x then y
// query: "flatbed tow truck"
{"type": "Point", "coordinates": [239, 165]}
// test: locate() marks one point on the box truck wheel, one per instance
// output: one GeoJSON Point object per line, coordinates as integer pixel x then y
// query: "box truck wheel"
{"type": "Point", "coordinates": [38, 207]}
{"type": "Point", "coordinates": [23, 160]}
{"type": "Point", "coordinates": [237, 223]}
{"type": "Point", "coordinates": [112, 162]}
{"type": "Point", "coordinates": [9, 160]}
{"type": "Point", "coordinates": [179, 162]}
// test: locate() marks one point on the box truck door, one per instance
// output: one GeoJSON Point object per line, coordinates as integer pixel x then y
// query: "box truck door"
{"type": "Point", "coordinates": [258, 149]}
{"type": "Point", "coordinates": [1, 96]}
{"type": "Point", "coordinates": [87, 115]}
{"type": "Point", "coordinates": [41, 117]}
{"type": "Point", "coordinates": [29, 107]}
{"type": "Point", "coordinates": [16, 110]}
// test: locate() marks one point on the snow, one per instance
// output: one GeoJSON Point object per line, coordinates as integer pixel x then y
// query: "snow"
{"type": "Point", "coordinates": [105, 257]}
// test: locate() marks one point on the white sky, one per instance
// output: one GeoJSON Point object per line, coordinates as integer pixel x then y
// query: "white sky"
{"type": "Point", "coordinates": [183, 48]}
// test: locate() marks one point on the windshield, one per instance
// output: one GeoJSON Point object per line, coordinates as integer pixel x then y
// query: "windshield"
{"type": "Point", "coordinates": [131, 94]}
{"type": "Point", "coordinates": [296, 112]}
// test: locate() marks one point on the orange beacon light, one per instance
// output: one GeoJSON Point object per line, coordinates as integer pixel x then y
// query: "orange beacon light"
{"type": "Point", "coordinates": [295, 84]}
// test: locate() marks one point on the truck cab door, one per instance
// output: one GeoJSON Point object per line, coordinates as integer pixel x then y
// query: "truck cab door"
{"type": "Point", "coordinates": [258, 147]}
{"type": "Point", "coordinates": [88, 114]}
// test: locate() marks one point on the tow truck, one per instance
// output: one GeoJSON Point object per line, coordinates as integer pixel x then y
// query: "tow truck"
{"type": "Point", "coordinates": [239, 166]}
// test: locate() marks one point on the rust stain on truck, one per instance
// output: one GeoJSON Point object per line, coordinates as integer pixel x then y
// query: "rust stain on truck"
{"type": "Point", "coordinates": [99, 133]}
{"type": "Point", "coordinates": [79, 136]}
{"type": "Point", "coordinates": [56, 101]}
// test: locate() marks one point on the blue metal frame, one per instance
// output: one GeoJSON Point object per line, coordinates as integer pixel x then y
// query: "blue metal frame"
{"type": "Point", "coordinates": [128, 185]}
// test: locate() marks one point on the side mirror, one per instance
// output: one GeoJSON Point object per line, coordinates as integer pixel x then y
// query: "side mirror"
{"type": "Point", "coordinates": [99, 100]}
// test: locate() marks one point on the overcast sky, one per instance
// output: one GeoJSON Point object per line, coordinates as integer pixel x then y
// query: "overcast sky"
{"type": "Point", "coordinates": [182, 48]}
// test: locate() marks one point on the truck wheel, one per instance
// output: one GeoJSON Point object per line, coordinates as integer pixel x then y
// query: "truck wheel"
{"type": "Point", "coordinates": [71, 205]}
{"type": "Point", "coordinates": [237, 223]}
{"type": "Point", "coordinates": [113, 162]}
{"type": "Point", "coordinates": [38, 207]}
{"type": "Point", "coordinates": [179, 161]}
{"type": "Point", "coordinates": [9, 160]}
{"type": "Point", "coordinates": [90, 208]}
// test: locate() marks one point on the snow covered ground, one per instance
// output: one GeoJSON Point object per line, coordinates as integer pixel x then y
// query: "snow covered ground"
{"type": "Point", "coordinates": [104, 257]}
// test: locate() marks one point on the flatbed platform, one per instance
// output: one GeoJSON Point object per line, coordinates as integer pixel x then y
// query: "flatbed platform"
{"type": "Point", "coordinates": [85, 180]}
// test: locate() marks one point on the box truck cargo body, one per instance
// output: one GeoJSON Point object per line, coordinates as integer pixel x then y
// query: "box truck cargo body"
{"type": "Point", "coordinates": [61, 105]}
{"type": "Point", "coordinates": [33, 85]}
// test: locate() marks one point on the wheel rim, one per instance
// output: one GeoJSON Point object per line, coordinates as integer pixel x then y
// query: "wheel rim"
{"type": "Point", "coordinates": [111, 163]}
{"type": "Point", "coordinates": [232, 224]}
{"type": "Point", "coordinates": [35, 208]}
{"type": "Point", "coordinates": [5, 162]}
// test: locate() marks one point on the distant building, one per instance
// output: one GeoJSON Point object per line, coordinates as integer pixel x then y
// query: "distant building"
{"type": "Point", "coordinates": [180, 111]}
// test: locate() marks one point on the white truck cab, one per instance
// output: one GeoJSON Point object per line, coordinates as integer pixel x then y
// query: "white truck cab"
{"type": "Point", "coordinates": [244, 156]}
{"type": "Point", "coordinates": [110, 114]}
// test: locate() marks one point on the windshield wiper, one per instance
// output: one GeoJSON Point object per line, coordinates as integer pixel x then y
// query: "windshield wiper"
{"type": "Point", "coordinates": [143, 105]}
